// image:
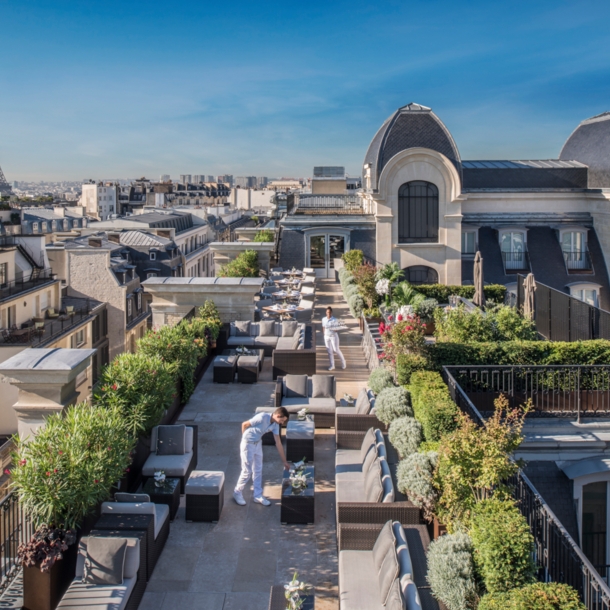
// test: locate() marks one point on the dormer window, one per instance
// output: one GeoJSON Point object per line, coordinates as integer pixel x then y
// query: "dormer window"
{"type": "Point", "coordinates": [35, 227]}
{"type": "Point", "coordinates": [513, 245]}
{"type": "Point", "coordinates": [469, 242]}
{"type": "Point", "coordinates": [153, 255]}
{"type": "Point", "coordinates": [589, 293]}
{"type": "Point", "coordinates": [574, 248]}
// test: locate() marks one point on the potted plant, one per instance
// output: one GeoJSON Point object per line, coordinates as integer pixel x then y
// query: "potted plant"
{"type": "Point", "coordinates": [294, 592]}
{"type": "Point", "coordinates": [61, 476]}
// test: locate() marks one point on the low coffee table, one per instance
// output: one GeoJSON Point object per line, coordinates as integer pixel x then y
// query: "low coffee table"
{"type": "Point", "coordinates": [168, 494]}
{"type": "Point", "coordinates": [298, 507]}
{"type": "Point", "coordinates": [277, 601]}
{"type": "Point", "coordinates": [300, 435]}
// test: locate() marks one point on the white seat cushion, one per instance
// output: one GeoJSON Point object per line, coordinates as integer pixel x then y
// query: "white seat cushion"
{"type": "Point", "coordinates": [348, 460]}
{"type": "Point", "coordinates": [266, 340]}
{"type": "Point", "coordinates": [97, 597]}
{"type": "Point", "coordinates": [349, 487]}
{"type": "Point", "coordinates": [358, 581]}
{"type": "Point", "coordinates": [240, 341]}
{"type": "Point", "coordinates": [205, 483]}
{"type": "Point", "coordinates": [172, 465]}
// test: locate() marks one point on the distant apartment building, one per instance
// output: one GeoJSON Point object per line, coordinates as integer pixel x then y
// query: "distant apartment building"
{"type": "Point", "coordinates": [133, 197]}
{"type": "Point", "coordinates": [99, 199]}
{"type": "Point", "coordinates": [262, 181]}
{"type": "Point", "coordinates": [186, 178]}
{"type": "Point", "coordinates": [53, 221]}
{"type": "Point", "coordinates": [227, 179]}
{"type": "Point", "coordinates": [245, 182]}
{"type": "Point", "coordinates": [284, 184]}
{"type": "Point", "coordinates": [209, 178]}
{"type": "Point", "coordinates": [198, 178]}
{"type": "Point", "coordinates": [252, 199]}
{"type": "Point", "coordinates": [165, 178]}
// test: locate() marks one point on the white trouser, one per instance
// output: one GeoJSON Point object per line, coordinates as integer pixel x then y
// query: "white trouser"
{"type": "Point", "coordinates": [332, 345]}
{"type": "Point", "coordinates": [251, 466]}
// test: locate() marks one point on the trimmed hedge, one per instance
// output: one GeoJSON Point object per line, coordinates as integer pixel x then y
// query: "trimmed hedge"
{"type": "Point", "coordinates": [440, 292]}
{"type": "Point", "coordinates": [380, 379]}
{"type": "Point", "coordinates": [432, 405]}
{"type": "Point", "coordinates": [537, 596]}
{"type": "Point", "coordinates": [405, 434]}
{"type": "Point", "coordinates": [391, 404]}
{"type": "Point", "coordinates": [440, 354]}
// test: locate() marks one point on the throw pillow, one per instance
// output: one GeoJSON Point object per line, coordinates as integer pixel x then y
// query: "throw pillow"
{"type": "Point", "coordinates": [395, 600]}
{"type": "Point", "coordinates": [105, 561]}
{"type": "Point", "coordinates": [367, 441]}
{"type": "Point", "coordinates": [388, 574]}
{"type": "Point", "coordinates": [296, 386]}
{"type": "Point", "coordinates": [125, 497]}
{"type": "Point", "coordinates": [171, 440]}
{"type": "Point", "coordinates": [385, 540]}
{"type": "Point", "coordinates": [373, 487]}
{"type": "Point", "coordinates": [289, 328]}
{"type": "Point", "coordinates": [322, 386]}
{"type": "Point", "coordinates": [371, 456]}
{"type": "Point", "coordinates": [386, 482]}
{"type": "Point", "coordinates": [362, 402]}
{"type": "Point", "coordinates": [242, 329]}
{"type": "Point", "coordinates": [266, 328]}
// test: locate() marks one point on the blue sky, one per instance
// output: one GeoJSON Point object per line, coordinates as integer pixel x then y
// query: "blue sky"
{"type": "Point", "coordinates": [123, 89]}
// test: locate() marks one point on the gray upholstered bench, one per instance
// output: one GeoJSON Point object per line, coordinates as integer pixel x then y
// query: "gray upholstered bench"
{"type": "Point", "coordinates": [205, 492]}
{"type": "Point", "coordinates": [248, 368]}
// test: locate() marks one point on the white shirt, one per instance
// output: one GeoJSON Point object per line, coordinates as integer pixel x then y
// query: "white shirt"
{"type": "Point", "coordinates": [327, 324]}
{"type": "Point", "coordinates": [259, 425]}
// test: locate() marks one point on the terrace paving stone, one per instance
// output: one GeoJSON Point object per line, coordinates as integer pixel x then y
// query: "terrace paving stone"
{"type": "Point", "coordinates": [232, 564]}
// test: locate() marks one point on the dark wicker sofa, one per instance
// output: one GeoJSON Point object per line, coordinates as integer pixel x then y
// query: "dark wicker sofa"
{"type": "Point", "coordinates": [351, 423]}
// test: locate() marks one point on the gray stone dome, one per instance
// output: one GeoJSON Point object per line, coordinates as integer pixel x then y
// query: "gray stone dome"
{"type": "Point", "coordinates": [412, 126]}
{"type": "Point", "coordinates": [590, 144]}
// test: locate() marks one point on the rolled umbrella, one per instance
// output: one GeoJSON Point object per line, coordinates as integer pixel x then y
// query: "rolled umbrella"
{"type": "Point", "coordinates": [529, 298]}
{"type": "Point", "coordinates": [479, 293]}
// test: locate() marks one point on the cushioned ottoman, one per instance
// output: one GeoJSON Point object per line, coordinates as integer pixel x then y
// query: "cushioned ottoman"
{"type": "Point", "coordinates": [224, 369]}
{"type": "Point", "coordinates": [205, 492]}
{"type": "Point", "coordinates": [300, 437]}
{"type": "Point", "coordinates": [247, 369]}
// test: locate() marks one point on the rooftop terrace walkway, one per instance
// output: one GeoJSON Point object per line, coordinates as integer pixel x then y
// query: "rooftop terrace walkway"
{"type": "Point", "coordinates": [232, 564]}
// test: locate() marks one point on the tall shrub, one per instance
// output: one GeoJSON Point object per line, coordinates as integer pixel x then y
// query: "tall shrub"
{"type": "Point", "coordinates": [244, 265]}
{"type": "Point", "coordinates": [442, 292]}
{"type": "Point", "coordinates": [474, 462]}
{"type": "Point", "coordinates": [432, 404]}
{"type": "Point", "coordinates": [451, 572]}
{"type": "Point", "coordinates": [405, 434]}
{"type": "Point", "coordinates": [379, 379]}
{"type": "Point", "coordinates": [364, 275]}
{"type": "Point", "coordinates": [356, 305]}
{"type": "Point", "coordinates": [414, 475]}
{"type": "Point", "coordinates": [208, 312]}
{"type": "Point", "coordinates": [264, 235]}
{"type": "Point", "coordinates": [140, 387]}
{"type": "Point", "coordinates": [352, 259]}
{"type": "Point", "coordinates": [392, 403]}
{"type": "Point", "coordinates": [535, 596]}
{"type": "Point", "coordinates": [71, 464]}
{"type": "Point", "coordinates": [503, 545]}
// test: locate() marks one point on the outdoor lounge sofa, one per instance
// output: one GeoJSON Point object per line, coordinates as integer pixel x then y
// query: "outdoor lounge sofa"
{"type": "Point", "coordinates": [365, 484]}
{"type": "Point", "coordinates": [317, 393]}
{"type": "Point", "coordinates": [383, 567]}
{"type": "Point", "coordinates": [179, 465]}
{"type": "Point", "coordinates": [352, 423]}
{"type": "Point", "coordinates": [125, 596]}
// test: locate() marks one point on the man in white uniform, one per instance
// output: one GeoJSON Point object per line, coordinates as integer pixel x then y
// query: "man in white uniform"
{"type": "Point", "coordinates": [331, 339]}
{"type": "Point", "coordinates": [251, 452]}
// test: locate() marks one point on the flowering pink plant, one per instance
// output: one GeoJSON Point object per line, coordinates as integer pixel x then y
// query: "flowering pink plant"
{"type": "Point", "coordinates": [406, 336]}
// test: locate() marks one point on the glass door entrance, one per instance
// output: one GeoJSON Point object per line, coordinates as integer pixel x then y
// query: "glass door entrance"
{"type": "Point", "coordinates": [323, 250]}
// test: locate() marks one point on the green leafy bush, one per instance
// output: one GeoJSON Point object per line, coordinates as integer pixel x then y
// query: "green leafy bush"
{"type": "Point", "coordinates": [535, 596]}
{"type": "Point", "coordinates": [432, 404]}
{"type": "Point", "coordinates": [208, 312]}
{"type": "Point", "coordinates": [264, 235]}
{"type": "Point", "coordinates": [379, 379]}
{"type": "Point", "coordinates": [71, 464]}
{"type": "Point", "coordinates": [390, 271]}
{"type": "Point", "coordinates": [503, 545]}
{"type": "Point", "coordinates": [441, 292]}
{"type": "Point", "coordinates": [371, 312]}
{"type": "Point", "coordinates": [406, 294]}
{"type": "Point", "coordinates": [175, 346]}
{"type": "Point", "coordinates": [451, 572]}
{"type": "Point", "coordinates": [392, 403]}
{"type": "Point", "coordinates": [350, 291]}
{"type": "Point", "coordinates": [414, 477]}
{"type": "Point", "coordinates": [364, 275]}
{"type": "Point", "coordinates": [141, 387]}
{"type": "Point", "coordinates": [405, 434]}
{"type": "Point", "coordinates": [353, 259]}
{"type": "Point", "coordinates": [244, 265]}
{"type": "Point", "coordinates": [426, 309]}
{"type": "Point", "coordinates": [356, 305]}
{"type": "Point", "coordinates": [497, 323]}
{"type": "Point", "coordinates": [407, 364]}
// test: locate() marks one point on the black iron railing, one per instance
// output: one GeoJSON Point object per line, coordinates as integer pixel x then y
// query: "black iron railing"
{"type": "Point", "coordinates": [564, 390]}
{"type": "Point", "coordinates": [15, 528]}
{"type": "Point", "coordinates": [578, 260]}
{"type": "Point", "coordinates": [306, 203]}
{"type": "Point", "coordinates": [560, 317]}
{"type": "Point", "coordinates": [557, 555]}
{"type": "Point", "coordinates": [38, 277]}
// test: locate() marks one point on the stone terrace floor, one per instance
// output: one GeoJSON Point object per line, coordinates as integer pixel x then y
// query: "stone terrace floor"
{"type": "Point", "coordinates": [232, 564]}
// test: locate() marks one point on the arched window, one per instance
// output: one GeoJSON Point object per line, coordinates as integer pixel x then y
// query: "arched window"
{"type": "Point", "coordinates": [417, 213]}
{"type": "Point", "coordinates": [418, 274]}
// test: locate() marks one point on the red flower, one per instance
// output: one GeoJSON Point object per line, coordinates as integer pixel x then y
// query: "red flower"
{"type": "Point", "coordinates": [7, 471]}
{"type": "Point", "coordinates": [109, 448]}
{"type": "Point", "coordinates": [96, 481]}
{"type": "Point", "coordinates": [22, 462]}
{"type": "Point", "coordinates": [48, 473]}
{"type": "Point", "coordinates": [55, 470]}
{"type": "Point", "coordinates": [60, 452]}
{"type": "Point", "coordinates": [390, 318]}
{"type": "Point", "coordinates": [115, 386]}
{"type": "Point", "coordinates": [399, 317]}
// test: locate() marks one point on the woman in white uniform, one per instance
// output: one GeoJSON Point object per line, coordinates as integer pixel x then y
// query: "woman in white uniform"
{"type": "Point", "coordinates": [331, 339]}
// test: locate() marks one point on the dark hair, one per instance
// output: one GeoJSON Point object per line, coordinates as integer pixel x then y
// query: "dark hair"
{"type": "Point", "coordinates": [329, 307]}
{"type": "Point", "coordinates": [282, 412]}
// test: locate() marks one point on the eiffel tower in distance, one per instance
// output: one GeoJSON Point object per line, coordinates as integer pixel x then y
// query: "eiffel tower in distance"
{"type": "Point", "coordinates": [5, 187]}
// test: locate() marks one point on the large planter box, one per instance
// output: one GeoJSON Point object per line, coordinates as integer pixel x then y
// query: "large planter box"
{"type": "Point", "coordinates": [44, 590]}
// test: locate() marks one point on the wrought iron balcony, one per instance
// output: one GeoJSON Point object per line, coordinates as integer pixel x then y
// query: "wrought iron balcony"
{"type": "Point", "coordinates": [38, 278]}
{"type": "Point", "coordinates": [308, 203]}
{"type": "Point", "coordinates": [577, 261]}
{"type": "Point", "coordinates": [514, 261]}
